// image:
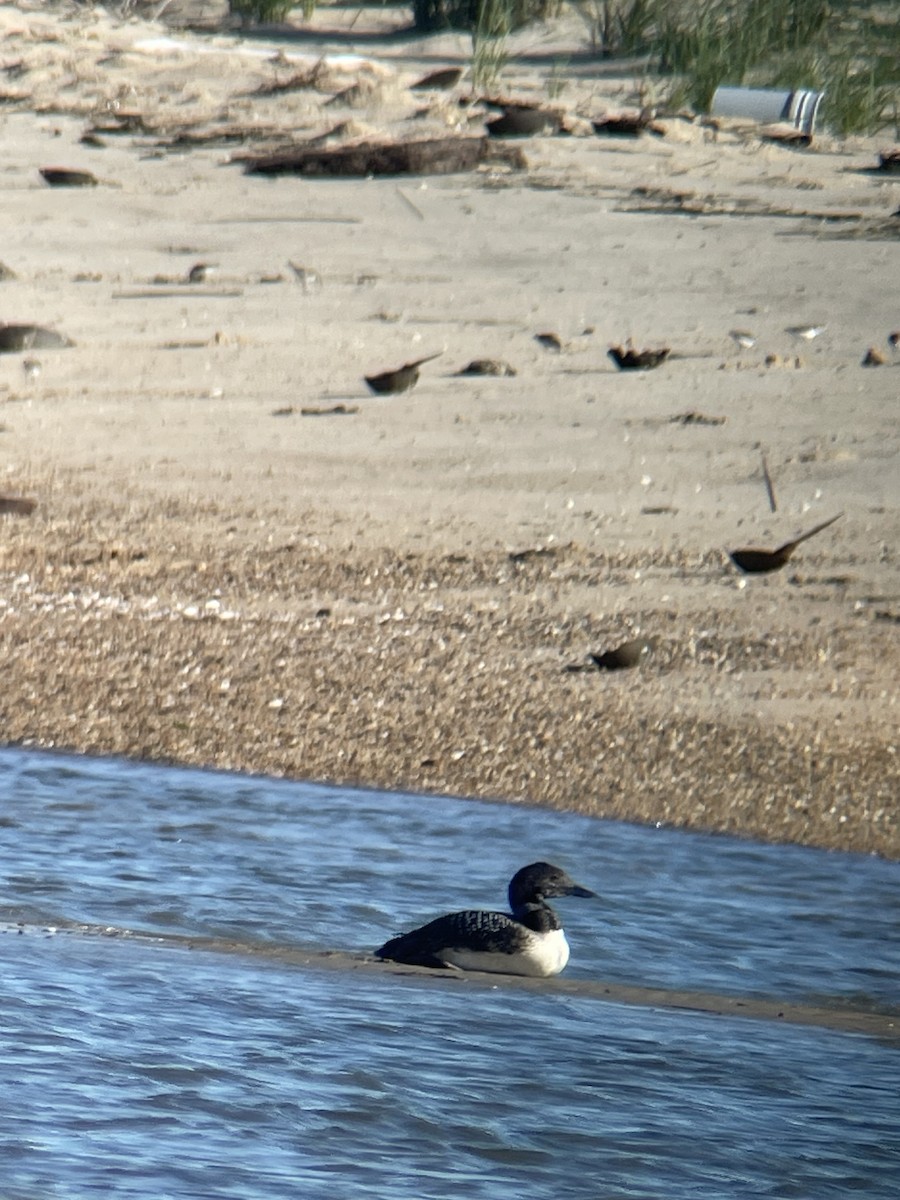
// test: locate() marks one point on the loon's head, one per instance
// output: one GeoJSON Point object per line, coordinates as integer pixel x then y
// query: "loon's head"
{"type": "Point", "coordinates": [541, 881]}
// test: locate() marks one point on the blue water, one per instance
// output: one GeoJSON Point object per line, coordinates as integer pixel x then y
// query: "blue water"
{"type": "Point", "coordinates": [138, 1068]}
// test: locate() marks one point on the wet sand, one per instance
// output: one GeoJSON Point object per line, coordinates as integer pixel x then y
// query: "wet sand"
{"type": "Point", "coordinates": [884, 1025]}
{"type": "Point", "coordinates": [242, 559]}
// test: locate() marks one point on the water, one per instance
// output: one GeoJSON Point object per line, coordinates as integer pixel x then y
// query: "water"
{"type": "Point", "coordinates": [139, 1068]}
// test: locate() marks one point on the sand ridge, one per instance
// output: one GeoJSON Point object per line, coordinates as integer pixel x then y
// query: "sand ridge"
{"type": "Point", "coordinates": [881, 1023]}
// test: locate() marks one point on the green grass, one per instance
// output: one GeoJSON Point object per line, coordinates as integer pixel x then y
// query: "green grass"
{"type": "Point", "coordinates": [489, 43]}
{"type": "Point", "coordinates": [859, 71]}
{"type": "Point", "coordinates": [617, 27]}
{"type": "Point", "coordinates": [251, 11]}
{"type": "Point", "coordinates": [846, 48]}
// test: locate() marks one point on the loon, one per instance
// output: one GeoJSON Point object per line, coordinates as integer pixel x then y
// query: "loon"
{"type": "Point", "coordinates": [530, 942]}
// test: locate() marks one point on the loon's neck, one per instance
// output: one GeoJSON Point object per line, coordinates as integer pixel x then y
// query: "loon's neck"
{"type": "Point", "coordinates": [537, 916]}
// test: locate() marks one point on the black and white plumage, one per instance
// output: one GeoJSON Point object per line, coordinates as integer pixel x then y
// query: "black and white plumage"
{"type": "Point", "coordinates": [527, 941]}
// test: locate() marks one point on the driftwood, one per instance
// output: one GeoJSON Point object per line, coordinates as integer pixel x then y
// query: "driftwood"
{"type": "Point", "coordinates": [627, 358]}
{"type": "Point", "coordinates": [64, 177]}
{"type": "Point", "coordinates": [334, 410]}
{"type": "Point", "coordinates": [487, 366]}
{"type": "Point", "coordinates": [304, 80]}
{"type": "Point", "coordinates": [753, 561]}
{"type": "Point", "coordinates": [447, 77]}
{"type": "Point", "coordinates": [222, 135]}
{"type": "Point", "coordinates": [889, 162]}
{"type": "Point", "coordinates": [123, 122]}
{"type": "Point", "coordinates": [389, 383]}
{"type": "Point", "coordinates": [550, 341]}
{"type": "Point", "coordinates": [785, 135]}
{"type": "Point", "coordinates": [16, 338]}
{"type": "Point", "coordinates": [622, 658]}
{"type": "Point", "coordinates": [440, 156]}
{"type": "Point", "coordinates": [692, 417]}
{"type": "Point", "coordinates": [523, 122]}
{"type": "Point", "coordinates": [17, 506]}
{"type": "Point", "coordinates": [627, 126]}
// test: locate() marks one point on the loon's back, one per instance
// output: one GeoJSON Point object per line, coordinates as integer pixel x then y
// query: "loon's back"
{"type": "Point", "coordinates": [481, 941]}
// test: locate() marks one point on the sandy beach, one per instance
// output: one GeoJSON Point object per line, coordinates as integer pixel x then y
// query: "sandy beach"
{"type": "Point", "coordinates": [241, 558]}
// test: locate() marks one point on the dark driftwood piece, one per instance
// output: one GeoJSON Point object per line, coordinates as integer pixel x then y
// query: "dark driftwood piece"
{"type": "Point", "coordinates": [781, 135]}
{"type": "Point", "coordinates": [303, 80]}
{"type": "Point", "coordinates": [692, 417]}
{"type": "Point", "coordinates": [221, 135]}
{"type": "Point", "coordinates": [438, 156]}
{"type": "Point", "coordinates": [390, 383]}
{"type": "Point", "coordinates": [523, 122]}
{"type": "Point", "coordinates": [550, 341]}
{"type": "Point", "coordinates": [123, 122]}
{"type": "Point", "coordinates": [628, 359]}
{"type": "Point", "coordinates": [770, 487]}
{"type": "Point", "coordinates": [760, 562]}
{"type": "Point", "coordinates": [487, 366]}
{"type": "Point", "coordinates": [334, 410]}
{"type": "Point", "coordinates": [447, 77]}
{"type": "Point", "coordinates": [625, 657]}
{"type": "Point", "coordinates": [64, 177]}
{"type": "Point", "coordinates": [17, 506]}
{"type": "Point", "coordinates": [626, 127]}
{"type": "Point", "coordinates": [15, 338]}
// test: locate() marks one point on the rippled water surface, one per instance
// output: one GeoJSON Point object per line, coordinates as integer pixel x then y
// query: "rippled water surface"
{"type": "Point", "coordinates": [142, 1068]}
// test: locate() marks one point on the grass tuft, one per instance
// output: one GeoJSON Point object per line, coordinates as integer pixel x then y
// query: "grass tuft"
{"type": "Point", "coordinates": [252, 11]}
{"type": "Point", "coordinates": [489, 43]}
{"type": "Point", "coordinates": [844, 48]}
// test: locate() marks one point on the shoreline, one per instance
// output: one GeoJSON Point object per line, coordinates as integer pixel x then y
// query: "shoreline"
{"type": "Point", "coordinates": [443, 672]}
{"type": "Point", "coordinates": [878, 1022]}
